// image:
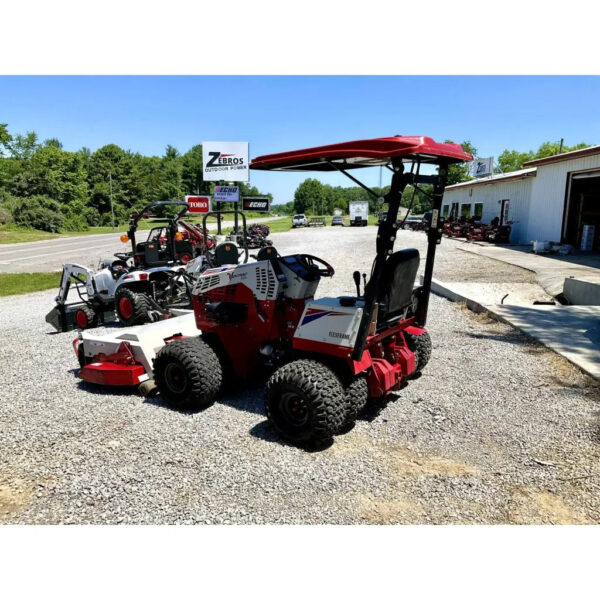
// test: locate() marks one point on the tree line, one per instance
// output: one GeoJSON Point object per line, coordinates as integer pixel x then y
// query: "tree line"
{"type": "Point", "coordinates": [313, 197]}
{"type": "Point", "coordinates": [45, 187]}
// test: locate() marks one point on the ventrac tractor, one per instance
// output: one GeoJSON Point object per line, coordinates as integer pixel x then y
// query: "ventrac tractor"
{"type": "Point", "coordinates": [327, 356]}
{"type": "Point", "coordinates": [143, 285]}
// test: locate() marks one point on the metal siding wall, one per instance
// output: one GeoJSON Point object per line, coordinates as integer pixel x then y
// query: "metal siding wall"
{"type": "Point", "coordinates": [548, 197]}
{"type": "Point", "coordinates": [519, 194]}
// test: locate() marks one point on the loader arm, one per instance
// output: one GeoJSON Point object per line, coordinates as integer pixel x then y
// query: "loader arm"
{"type": "Point", "coordinates": [79, 273]}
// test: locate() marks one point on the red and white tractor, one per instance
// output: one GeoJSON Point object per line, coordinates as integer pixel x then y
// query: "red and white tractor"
{"type": "Point", "coordinates": [147, 284]}
{"type": "Point", "coordinates": [328, 356]}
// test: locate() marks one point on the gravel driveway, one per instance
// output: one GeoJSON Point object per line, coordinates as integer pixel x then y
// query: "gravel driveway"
{"type": "Point", "coordinates": [497, 430]}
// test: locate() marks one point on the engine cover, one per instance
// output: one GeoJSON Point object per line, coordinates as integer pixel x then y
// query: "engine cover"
{"type": "Point", "coordinates": [328, 321]}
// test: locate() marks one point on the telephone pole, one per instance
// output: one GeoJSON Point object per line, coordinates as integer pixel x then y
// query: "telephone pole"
{"type": "Point", "coordinates": [112, 210]}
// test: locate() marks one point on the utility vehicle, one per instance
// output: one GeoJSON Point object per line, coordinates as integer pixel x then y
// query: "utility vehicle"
{"type": "Point", "coordinates": [327, 356]}
{"type": "Point", "coordinates": [142, 285]}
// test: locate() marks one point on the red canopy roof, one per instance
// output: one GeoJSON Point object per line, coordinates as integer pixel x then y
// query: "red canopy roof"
{"type": "Point", "coordinates": [363, 153]}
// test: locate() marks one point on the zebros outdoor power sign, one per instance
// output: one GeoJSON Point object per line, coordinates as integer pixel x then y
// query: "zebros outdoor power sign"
{"type": "Point", "coordinates": [225, 161]}
{"type": "Point", "coordinates": [198, 204]}
{"type": "Point", "coordinates": [256, 204]}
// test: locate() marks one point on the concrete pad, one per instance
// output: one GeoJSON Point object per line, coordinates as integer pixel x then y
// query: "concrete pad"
{"type": "Point", "coordinates": [582, 291]}
{"type": "Point", "coordinates": [550, 272]}
{"type": "Point", "coordinates": [571, 331]}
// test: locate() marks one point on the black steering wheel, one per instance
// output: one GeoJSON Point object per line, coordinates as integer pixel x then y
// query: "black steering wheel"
{"type": "Point", "coordinates": [310, 262]}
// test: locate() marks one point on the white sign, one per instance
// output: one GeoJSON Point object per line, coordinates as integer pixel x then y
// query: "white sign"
{"type": "Point", "coordinates": [227, 193]}
{"type": "Point", "coordinates": [482, 167]}
{"type": "Point", "coordinates": [225, 161]}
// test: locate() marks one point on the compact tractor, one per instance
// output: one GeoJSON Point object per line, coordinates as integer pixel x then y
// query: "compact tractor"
{"type": "Point", "coordinates": [327, 356]}
{"type": "Point", "coordinates": [143, 285]}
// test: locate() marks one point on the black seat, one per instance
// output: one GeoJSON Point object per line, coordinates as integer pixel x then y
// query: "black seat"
{"type": "Point", "coordinates": [149, 253]}
{"type": "Point", "coordinates": [226, 254]}
{"type": "Point", "coordinates": [397, 283]}
{"type": "Point", "coordinates": [266, 253]}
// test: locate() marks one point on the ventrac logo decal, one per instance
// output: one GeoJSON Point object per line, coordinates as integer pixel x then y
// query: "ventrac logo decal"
{"type": "Point", "coordinates": [218, 159]}
{"type": "Point", "coordinates": [312, 314]}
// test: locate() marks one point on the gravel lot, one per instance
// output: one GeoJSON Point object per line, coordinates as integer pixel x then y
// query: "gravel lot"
{"type": "Point", "coordinates": [497, 430]}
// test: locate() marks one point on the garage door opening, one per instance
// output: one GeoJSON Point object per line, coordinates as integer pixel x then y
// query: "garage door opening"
{"type": "Point", "coordinates": [583, 208]}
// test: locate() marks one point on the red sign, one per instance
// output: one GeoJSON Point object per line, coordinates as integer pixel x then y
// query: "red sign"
{"type": "Point", "coordinates": [198, 204]}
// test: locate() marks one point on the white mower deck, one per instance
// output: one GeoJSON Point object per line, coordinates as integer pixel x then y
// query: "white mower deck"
{"type": "Point", "coordinates": [125, 356]}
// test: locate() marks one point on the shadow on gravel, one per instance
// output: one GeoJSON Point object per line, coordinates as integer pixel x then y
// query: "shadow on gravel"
{"type": "Point", "coordinates": [156, 400]}
{"type": "Point", "coordinates": [510, 338]}
{"type": "Point", "coordinates": [263, 431]}
{"type": "Point", "coordinates": [249, 400]}
{"type": "Point", "coordinates": [375, 407]}
{"type": "Point", "coordinates": [99, 390]}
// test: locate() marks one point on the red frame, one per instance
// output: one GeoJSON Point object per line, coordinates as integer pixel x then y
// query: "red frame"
{"type": "Point", "coordinates": [363, 153]}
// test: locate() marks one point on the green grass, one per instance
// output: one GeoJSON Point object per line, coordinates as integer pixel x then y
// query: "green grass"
{"type": "Point", "coordinates": [25, 283]}
{"type": "Point", "coordinates": [280, 225]}
{"type": "Point", "coordinates": [11, 235]}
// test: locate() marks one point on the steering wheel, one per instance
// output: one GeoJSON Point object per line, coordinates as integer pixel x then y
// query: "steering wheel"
{"type": "Point", "coordinates": [310, 262]}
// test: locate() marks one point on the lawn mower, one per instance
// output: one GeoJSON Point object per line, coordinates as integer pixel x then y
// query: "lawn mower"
{"type": "Point", "coordinates": [142, 285]}
{"type": "Point", "coordinates": [326, 356]}
{"type": "Point", "coordinates": [124, 357]}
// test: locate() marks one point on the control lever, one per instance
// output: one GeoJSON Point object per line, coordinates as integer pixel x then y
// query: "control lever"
{"type": "Point", "coordinates": [356, 277]}
{"type": "Point", "coordinates": [365, 280]}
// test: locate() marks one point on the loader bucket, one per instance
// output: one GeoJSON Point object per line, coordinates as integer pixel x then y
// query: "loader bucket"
{"type": "Point", "coordinates": [55, 318]}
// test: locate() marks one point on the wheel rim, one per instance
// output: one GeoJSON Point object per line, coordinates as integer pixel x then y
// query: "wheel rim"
{"type": "Point", "coordinates": [294, 409]}
{"type": "Point", "coordinates": [175, 378]}
{"type": "Point", "coordinates": [185, 258]}
{"type": "Point", "coordinates": [81, 319]}
{"type": "Point", "coordinates": [125, 308]}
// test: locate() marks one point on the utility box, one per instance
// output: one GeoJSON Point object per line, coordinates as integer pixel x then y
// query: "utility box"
{"type": "Point", "coordinates": [587, 238]}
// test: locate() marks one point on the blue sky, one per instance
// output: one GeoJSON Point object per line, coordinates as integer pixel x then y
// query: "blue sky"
{"type": "Point", "coordinates": [274, 114]}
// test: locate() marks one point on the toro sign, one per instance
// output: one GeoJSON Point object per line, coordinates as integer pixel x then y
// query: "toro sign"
{"type": "Point", "coordinates": [198, 204]}
{"type": "Point", "coordinates": [256, 203]}
{"type": "Point", "coordinates": [225, 161]}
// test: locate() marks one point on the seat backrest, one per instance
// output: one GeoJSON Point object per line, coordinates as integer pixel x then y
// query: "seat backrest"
{"type": "Point", "coordinates": [397, 282]}
{"type": "Point", "coordinates": [266, 253]}
{"type": "Point", "coordinates": [150, 253]}
{"type": "Point", "coordinates": [226, 254]}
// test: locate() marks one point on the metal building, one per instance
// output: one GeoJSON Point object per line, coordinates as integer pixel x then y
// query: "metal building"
{"type": "Point", "coordinates": [552, 199]}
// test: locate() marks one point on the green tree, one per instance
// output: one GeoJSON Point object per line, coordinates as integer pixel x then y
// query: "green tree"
{"type": "Point", "coordinates": [192, 172]}
{"type": "Point", "coordinates": [5, 139]}
{"type": "Point", "coordinates": [512, 160]}
{"type": "Point", "coordinates": [460, 172]}
{"type": "Point", "coordinates": [309, 196]}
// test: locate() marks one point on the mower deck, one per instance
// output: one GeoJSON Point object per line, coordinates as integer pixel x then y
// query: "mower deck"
{"type": "Point", "coordinates": [125, 357]}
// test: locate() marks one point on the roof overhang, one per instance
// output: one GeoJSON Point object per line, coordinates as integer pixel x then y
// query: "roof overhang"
{"type": "Point", "coordinates": [363, 153]}
{"type": "Point", "coordinates": [565, 156]}
{"type": "Point", "coordinates": [521, 174]}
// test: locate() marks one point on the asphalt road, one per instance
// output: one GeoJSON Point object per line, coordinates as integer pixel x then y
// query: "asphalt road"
{"type": "Point", "coordinates": [87, 250]}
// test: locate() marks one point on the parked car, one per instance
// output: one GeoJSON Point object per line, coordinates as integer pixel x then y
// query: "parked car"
{"type": "Point", "coordinates": [412, 222]}
{"type": "Point", "coordinates": [337, 220]}
{"type": "Point", "coordinates": [299, 221]}
{"type": "Point", "coordinates": [382, 217]}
